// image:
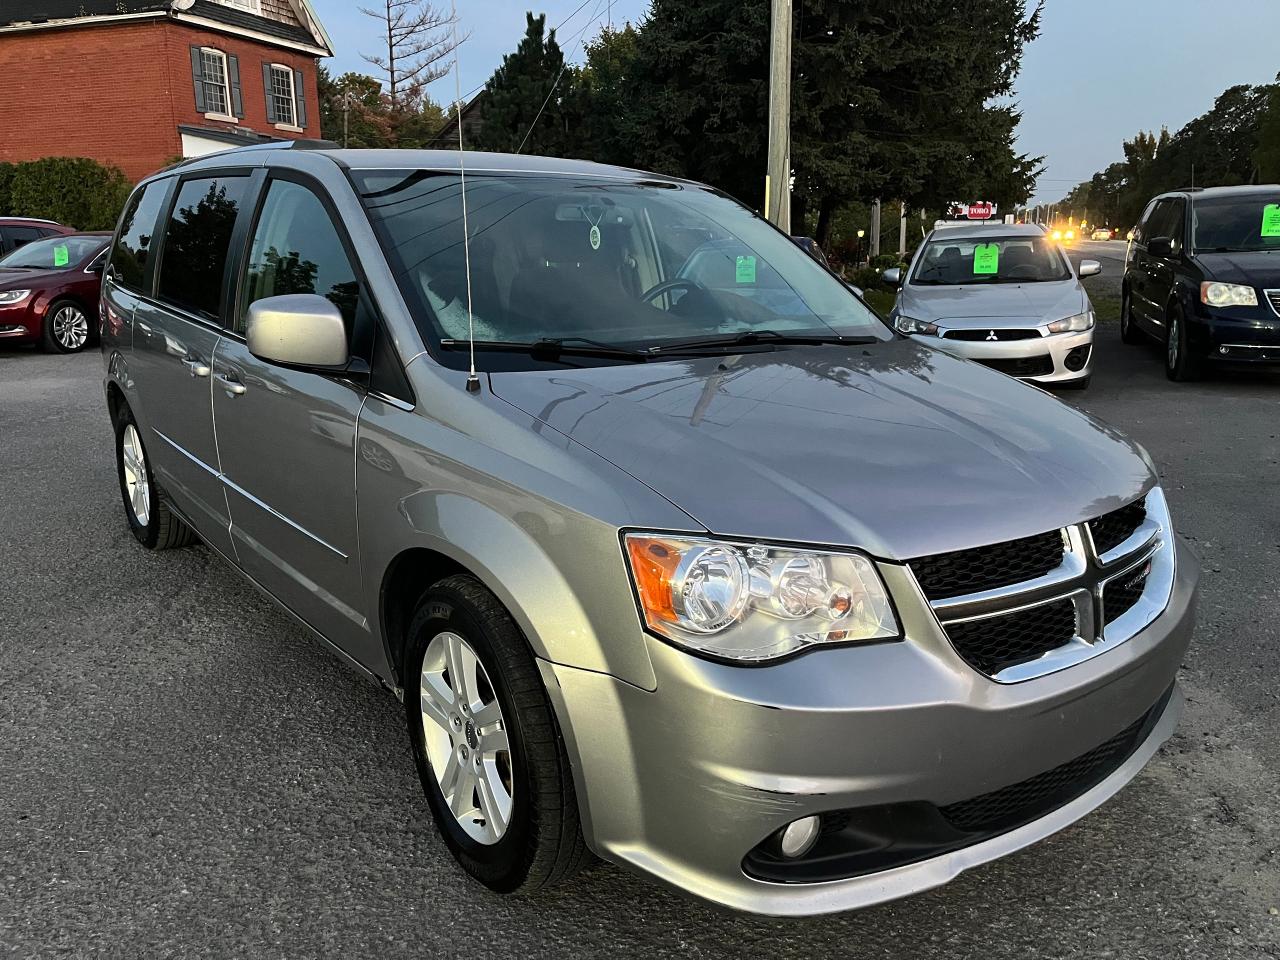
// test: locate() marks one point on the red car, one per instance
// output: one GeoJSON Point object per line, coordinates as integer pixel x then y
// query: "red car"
{"type": "Point", "coordinates": [16, 232]}
{"type": "Point", "coordinates": [49, 291]}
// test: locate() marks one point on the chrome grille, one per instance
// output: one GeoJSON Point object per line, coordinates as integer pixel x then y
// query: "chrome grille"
{"type": "Point", "coordinates": [1273, 298]}
{"type": "Point", "coordinates": [1028, 607]}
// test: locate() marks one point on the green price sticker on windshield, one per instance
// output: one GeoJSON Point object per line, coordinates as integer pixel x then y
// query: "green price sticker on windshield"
{"type": "Point", "coordinates": [746, 272]}
{"type": "Point", "coordinates": [1271, 220]}
{"type": "Point", "coordinates": [986, 258]}
{"type": "Point", "coordinates": [61, 255]}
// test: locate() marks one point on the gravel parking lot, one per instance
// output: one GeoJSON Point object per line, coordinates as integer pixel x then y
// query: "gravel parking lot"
{"type": "Point", "coordinates": [184, 773]}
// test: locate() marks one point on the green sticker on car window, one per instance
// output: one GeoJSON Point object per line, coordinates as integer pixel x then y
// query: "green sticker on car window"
{"type": "Point", "coordinates": [1271, 220]}
{"type": "Point", "coordinates": [986, 258]}
{"type": "Point", "coordinates": [61, 255]}
{"type": "Point", "coordinates": [746, 272]}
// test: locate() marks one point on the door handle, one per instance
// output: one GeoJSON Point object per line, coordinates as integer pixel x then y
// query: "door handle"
{"type": "Point", "coordinates": [196, 366]}
{"type": "Point", "coordinates": [230, 384]}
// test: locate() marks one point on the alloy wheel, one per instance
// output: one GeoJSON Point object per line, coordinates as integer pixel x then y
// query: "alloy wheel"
{"type": "Point", "coordinates": [137, 486]}
{"type": "Point", "coordinates": [70, 327]}
{"type": "Point", "coordinates": [1173, 346]}
{"type": "Point", "coordinates": [465, 736]}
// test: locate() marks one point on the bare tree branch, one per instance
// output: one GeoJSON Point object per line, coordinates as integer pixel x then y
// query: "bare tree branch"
{"type": "Point", "coordinates": [417, 41]}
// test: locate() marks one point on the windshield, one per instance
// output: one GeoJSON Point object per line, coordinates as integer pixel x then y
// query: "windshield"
{"type": "Point", "coordinates": [632, 264]}
{"type": "Point", "coordinates": [1236, 224]}
{"type": "Point", "coordinates": [54, 253]}
{"type": "Point", "coordinates": [948, 261]}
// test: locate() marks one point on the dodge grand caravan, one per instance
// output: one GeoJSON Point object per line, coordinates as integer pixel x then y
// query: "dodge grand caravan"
{"type": "Point", "coordinates": [700, 568]}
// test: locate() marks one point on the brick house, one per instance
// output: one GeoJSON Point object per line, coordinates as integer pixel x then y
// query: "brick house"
{"type": "Point", "coordinates": [137, 83]}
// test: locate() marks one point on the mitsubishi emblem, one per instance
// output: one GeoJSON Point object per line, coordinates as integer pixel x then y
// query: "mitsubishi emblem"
{"type": "Point", "coordinates": [991, 335]}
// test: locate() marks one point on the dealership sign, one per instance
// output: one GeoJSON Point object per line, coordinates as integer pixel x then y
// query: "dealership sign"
{"type": "Point", "coordinates": [981, 210]}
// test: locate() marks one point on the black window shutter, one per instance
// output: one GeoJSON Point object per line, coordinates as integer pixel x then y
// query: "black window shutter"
{"type": "Point", "coordinates": [233, 80]}
{"type": "Point", "coordinates": [197, 78]}
{"type": "Point", "coordinates": [266, 86]}
{"type": "Point", "coordinates": [301, 119]}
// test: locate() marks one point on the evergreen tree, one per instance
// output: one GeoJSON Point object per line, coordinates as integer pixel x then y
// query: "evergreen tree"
{"type": "Point", "coordinates": [526, 100]}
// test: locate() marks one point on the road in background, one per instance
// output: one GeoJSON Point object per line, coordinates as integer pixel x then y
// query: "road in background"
{"type": "Point", "coordinates": [184, 773]}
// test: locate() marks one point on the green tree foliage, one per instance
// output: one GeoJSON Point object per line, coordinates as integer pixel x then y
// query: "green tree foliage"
{"type": "Point", "coordinates": [355, 107]}
{"type": "Point", "coordinates": [532, 84]}
{"type": "Point", "coordinates": [1226, 145]}
{"type": "Point", "coordinates": [79, 192]}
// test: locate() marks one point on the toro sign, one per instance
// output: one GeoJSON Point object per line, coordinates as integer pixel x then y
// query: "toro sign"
{"type": "Point", "coordinates": [980, 211]}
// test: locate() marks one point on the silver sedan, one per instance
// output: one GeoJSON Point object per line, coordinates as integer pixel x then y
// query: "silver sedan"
{"type": "Point", "coordinates": [1006, 296]}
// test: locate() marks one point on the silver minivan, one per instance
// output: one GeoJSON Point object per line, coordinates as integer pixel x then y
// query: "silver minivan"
{"type": "Point", "coordinates": [674, 552]}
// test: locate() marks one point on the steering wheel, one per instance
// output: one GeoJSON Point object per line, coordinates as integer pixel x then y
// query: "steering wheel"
{"type": "Point", "coordinates": [667, 286]}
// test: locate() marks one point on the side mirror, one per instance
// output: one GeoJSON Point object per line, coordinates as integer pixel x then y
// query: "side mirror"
{"type": "Point", "coordinates": [300, 329]}
{"type": "Point", "coordinates": [893, 276]}
{"type": "Point", "coordinates": [1161, 247]}
{"type": "Point", "coordinates": [1090, 268]}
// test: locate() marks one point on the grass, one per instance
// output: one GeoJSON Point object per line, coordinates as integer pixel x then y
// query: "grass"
{"type": "Point", "coordinates": [881, 301]}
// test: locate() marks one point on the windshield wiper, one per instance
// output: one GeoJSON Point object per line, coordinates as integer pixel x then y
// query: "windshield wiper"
{"type": "Point", "coordinates": [552, 348]}
{"type": "Point", "coordinates": [752, 337]}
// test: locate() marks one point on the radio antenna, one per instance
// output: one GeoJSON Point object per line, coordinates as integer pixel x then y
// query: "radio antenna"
{"type": "Point", "coordinates": [473, 380]}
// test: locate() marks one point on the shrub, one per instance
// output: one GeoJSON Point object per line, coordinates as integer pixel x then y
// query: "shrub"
{"type": "Point", "coordinates": [77, 191]}
{"type": "Point", "coordinates": [6, 180]}
{"type": "Point", "coordinates": [884, 261]}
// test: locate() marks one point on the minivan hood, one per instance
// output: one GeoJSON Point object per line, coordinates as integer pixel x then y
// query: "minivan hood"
{"type": "Point", "coordinates": [11, 279]}
{"type": "Point", "coordinates": [1039, 302]}
{"type": "Point", "coordinates": [896, 447]}
{"type": "Point", "coordinates": [1257, 268]}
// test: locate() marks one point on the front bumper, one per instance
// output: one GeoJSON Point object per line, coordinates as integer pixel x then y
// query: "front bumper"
{"type": "Point", "coordinates": [683, 782]}
{"type": "Point", "coordinates": [1014, 356]}
{"type": "Point", "coordinates": [1239, 334]}
{"type": "Point", "coordinates": [19, 322]}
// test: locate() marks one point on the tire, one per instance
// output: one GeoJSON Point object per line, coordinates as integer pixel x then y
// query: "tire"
{"type": "Point", "coordinates": [154, 525]}
{"type": "Point", "coordinates": [1129, 332]}
{"type": "Point", "coordinates": [1180, 364]}
{"type": "Point", "coordinates": [541, 843]}
{"type": "Point", "coordinates": [66, 328]}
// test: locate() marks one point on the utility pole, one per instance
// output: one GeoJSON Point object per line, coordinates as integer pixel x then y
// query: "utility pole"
{"type": "Point", "coordinates": [875, 229]}
{"type": "Point", "coordinates": [777, 182]}
{"type": "Point", "coordinates": [902, 231]}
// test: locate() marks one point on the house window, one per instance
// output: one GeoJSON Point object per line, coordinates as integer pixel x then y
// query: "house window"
{"type": "Point", "coordinates": [217, 92]}
{"type": "Point", "coordinates": [244, 4]}
{"type": "Point", "coordinates": [282, 96]}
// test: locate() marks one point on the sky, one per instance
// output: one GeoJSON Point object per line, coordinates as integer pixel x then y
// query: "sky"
{"type": "Point", "coordinates": [1100, 71]}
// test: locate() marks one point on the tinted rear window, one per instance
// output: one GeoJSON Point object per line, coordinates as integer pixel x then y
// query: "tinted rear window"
{"type": "Point", "coordinates": [137, 226]}
{"type": "Point", "coordinates": [1237, 224]}
{"type": "Point", "coordinates": [196, 242]}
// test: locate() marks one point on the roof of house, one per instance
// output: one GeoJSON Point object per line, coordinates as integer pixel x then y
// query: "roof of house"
{"type": "Point", "coordinates": [65, 12]}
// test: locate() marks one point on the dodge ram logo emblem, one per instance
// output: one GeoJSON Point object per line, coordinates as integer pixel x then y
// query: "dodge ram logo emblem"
{"type": "Point", "coordinates": [991, 335]}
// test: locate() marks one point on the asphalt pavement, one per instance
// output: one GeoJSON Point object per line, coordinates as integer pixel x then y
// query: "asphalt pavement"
{"type": "Point", "coordinates": [183, 773]}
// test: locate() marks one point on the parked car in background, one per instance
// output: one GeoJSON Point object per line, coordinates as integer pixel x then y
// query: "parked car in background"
{"type": "Point", "coordinates": [1102, 233]}
{"type": "Point", "coordinates": [672, 549]}
{"type": "Point", "coordinates": [49, 291]}
{"type": "Point", "coordinates": [19, 231]}
{"type": "Point", "coordinates": [1007, 297]}
{"type": "Point", "coordinates": [812, 248]}
{"type": "Point", "coordinates": [1202, 275]}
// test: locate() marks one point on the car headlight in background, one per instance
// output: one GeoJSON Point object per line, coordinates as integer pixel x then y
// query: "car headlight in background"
{"type": "Point", "coordinates": [1057, 234]}
{"type": "Point", "coordinates": [1081, 321]}
{"type": "Point", "coordinates": [912, 325]}
{"type": "Point", "coordinates": [753, 602]}
{"type": "Point", "coordinates": [1071, 235]}
{"type": "Point", "coordinates": [13, 296]}
{"type": "Point", "coordinates": [1228, 295]}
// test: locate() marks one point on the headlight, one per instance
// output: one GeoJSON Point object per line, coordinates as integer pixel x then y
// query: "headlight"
{"type": "Point", "coordinates": [1228, 295]}
{"type": "Point", "coordinates": [1057, 234]}
{"type": "Point", "coordinates": [912, 325]}
{"type": "Point", "coordinates": [753, 602]}
{"type": "Point", "coordinates": [1071, 234]}
{"type": "Point", "coordinates": [1081, 321]}
{"type": "Point", "coordinates": [13, 296]}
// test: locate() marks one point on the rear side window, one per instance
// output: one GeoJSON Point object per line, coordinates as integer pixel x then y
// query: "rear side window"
{"type": "Point", "coordinates": [297, 249]}
{"type": "Point", "coordinates": [20, 236]}
{"type": "Point", "coordinates": [137, 228]}
{"type": "Point", "coordinates": [196, 241]}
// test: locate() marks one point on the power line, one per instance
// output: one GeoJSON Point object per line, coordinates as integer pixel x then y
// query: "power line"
{"type": "Point", "coordinates": [563, 65]}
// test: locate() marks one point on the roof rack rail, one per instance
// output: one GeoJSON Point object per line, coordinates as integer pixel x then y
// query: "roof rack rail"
{"type": "Point", "coordinates": [1187, 189]}
{"type": "Point", "coordinates": [302, 144]}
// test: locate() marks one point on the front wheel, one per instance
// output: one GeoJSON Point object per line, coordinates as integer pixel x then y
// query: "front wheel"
{"type": "Point", "coordinates": [66, 328]}
{"type": "Point", "coordinates": [486, 743]}
{"type": "Point", "coordinates": [1129, 332]}
{"type": "Point", "coordinates": [1181, 365]}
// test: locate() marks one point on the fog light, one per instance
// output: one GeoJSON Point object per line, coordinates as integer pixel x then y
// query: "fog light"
{"type": "Point", "coordinates": [797, 838]}
{"type": "Point", "coordinates": [1077, 358]}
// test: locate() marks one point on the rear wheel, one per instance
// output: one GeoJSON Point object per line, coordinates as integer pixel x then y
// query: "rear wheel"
{"type": "Point", "coordinates": [486, 743]}
{"type": "Point", "coordinates": [1129, 332]}
{"type": "Point", "coordinates": [66, 328]}
{"type": "Point", "coordinates": [154, 525]}
{"type": "Point", "coordinates": [1180, 364]}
